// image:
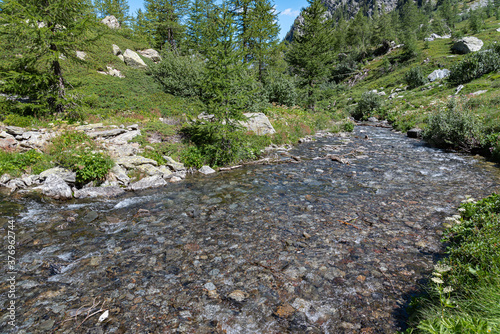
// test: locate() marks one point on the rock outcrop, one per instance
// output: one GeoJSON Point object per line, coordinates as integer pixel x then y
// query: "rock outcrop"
{"type": "Point", "coordinates": [133, 60]}
{"type": "Point", "coordinates": [438, 75]}
{"type": "Point", "coordinates": [467, 45]}
{"type": "Point", "coordinates": [150, 54]}
{"type": "Point", "coordinates": [111, 21]}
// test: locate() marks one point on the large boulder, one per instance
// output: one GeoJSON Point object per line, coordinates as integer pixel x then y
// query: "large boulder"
{"type": "Point", "coordinates": [111, 21]}
{"type": "Point", "coordinates": [258, 123]}
{"type": "Point", "coordinates": [151, 54]}
{"type": "Point", "coordinates": [65, 174]}
{"type": "Point", "coordinates": [467, 45]}
{"type": "Point", "coordinates": [134, 161]}
{"type": "Point", "coordinates": [148, 182]}
{"type": "Point", "coordinates": [133, 60]}
{"type": "Point", "coordinates": [438, 75]}
{"type": "Point", "coordinates": [55, 187]}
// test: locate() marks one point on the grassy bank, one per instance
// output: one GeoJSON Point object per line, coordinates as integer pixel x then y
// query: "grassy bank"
{"type": "Point", "coordinates": [463, 293]}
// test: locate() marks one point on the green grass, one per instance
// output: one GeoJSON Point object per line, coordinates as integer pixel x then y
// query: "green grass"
{"type": "Point", "coordinates": [463, 295]}
{"type": "Point", "coordinates": [30, 162]}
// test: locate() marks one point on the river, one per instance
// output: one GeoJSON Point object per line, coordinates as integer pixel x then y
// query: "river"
{"type": "Point", "coordinates": [335, 240]}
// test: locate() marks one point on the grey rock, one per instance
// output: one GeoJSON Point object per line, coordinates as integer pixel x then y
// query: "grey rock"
{"type": "Point", "coordinates": [126, 137]}
{"type": "Point", "coordinates": [414, 133]}
{"type": "Point", "coordinates": [372, 119]}
{"type": "Point", "coordinates": [258, 123]}
{"type": "Point", "coordinates": [210, 286]}
{"type": "Point", "coordinates": [65, 174]}
{"type": "Point", "coordinates": [498, 29]}
{"type": "Point", "coordinates": [121, 58]}
{"type": "Point", "coordinates": [15, 130]}
{"type": "Point", "coordinates": [133, 60]}
{"type": "Point", "coordinates": [165, 172]}
{"type": "Point", "coordinates": [467, 45]}
{"type": "Point", "coordinates": [206, 170]}
{"type": "Point", "coordinates": [151, 54]}
{"type": "Point", "coordinates": [479, 92]}
{"type": "Point", "coordinates": [119, 175]}
{"type": "Point", "coordinates": [7, 141]}
{"type": "Point", "coordinates": [438, 75]}
{"type": "Point", "coordinates": [90, 217]}
{"type": "Point", "coordinates": [111, 21]}
{"type": "Point", "coordinates": [93, 192]}
{"type": "Point", "coordinates": [114, 72]}
{"type": "Point", "coordinates": [89, 127]}
{"type": "Point", "coordinates": [106, 133]}
{"type": "Point", "coordinates": [149, 169]}
{"type": "Point", "coordinates": [148, 182]}
{"type": "Point", "coordinates": [5, 178]}
{"type": "Point", "coordinates": [81, 55]}
{"type": "Point", "coordinates": [116, 50]}
{"type": "Point", "coordinates": [176, 166]}
{"type": "Point", "coordinates": [55, 187]}
{"type": "Point", "coordinates": [459, 88]}
{"type": "Point", "coordinates": [133, 127]}
{"type": "Point", "coordinates": [121, 149]}
{"type": "Point", "coordinates": [15, 184]}
{"type": "Point", "coordinates": [134, 161]}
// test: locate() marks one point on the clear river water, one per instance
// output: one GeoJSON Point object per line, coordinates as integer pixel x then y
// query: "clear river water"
{"type": "Point", "coordinates": [334, 239]}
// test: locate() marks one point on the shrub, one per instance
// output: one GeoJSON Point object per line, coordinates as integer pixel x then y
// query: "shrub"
{"type": "Point", "coordinates": [475, 65]}
{"type": "Point", "coordinates": [281, 90]}
{"type": "Point", "coordinates": [17, 163]}
{"type": "Point", "coordinates": [78, 152]}
{"type": "Point", "coordinates": [414, 77]}
{"type": "Point", "coordinates": [455, 126]}
{"type": "Point", "coordinates": [179, 75]}
{"type": "Point", "coordinates": [368, 103]}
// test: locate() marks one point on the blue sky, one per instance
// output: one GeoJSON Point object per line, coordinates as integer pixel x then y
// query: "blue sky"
{"type": "Point", "coordinates": [288, 9]}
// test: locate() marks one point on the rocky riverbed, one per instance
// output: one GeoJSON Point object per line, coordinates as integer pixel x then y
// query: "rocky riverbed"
{"type": "Point", "coordinates": [335, 241]}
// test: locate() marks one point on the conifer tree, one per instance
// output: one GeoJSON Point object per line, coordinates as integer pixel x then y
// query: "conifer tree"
{"type": "Point", "coordinates": [164, 17]}
{"type": "Point", "coordinates": [42, 33]}
{"type": "Point", "coordinates": [142, 27]}
{"type": "Point", "coordinates": [359, 32]}
{"type": "Point", "coordinates": [197, 23]}
{"type": "Point", "coordinates": [262, 37]}
{"type": "Point", "coordinates": [310, 52]}
{"type": "Point", "coordinates": [117, 8]}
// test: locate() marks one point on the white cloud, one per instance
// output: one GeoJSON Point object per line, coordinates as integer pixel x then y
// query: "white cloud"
{"type": "Point", "coordinates": [290, 12]}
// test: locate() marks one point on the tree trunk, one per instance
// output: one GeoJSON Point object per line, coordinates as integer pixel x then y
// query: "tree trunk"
{"type": "Point", "coordinates": [56, 67]}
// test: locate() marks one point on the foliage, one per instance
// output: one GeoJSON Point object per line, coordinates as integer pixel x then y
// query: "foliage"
{"type": "Point", "coordinates": [369, 103]}
{"type": "Point", "coordinates": [41, 32]}
{"type": "Point", "coordinates": [117, 8]}
{"type": "Point", "coordinates": [163, 21]}
{"type": "Point", "coordinates": [16, 164]}
{"type": "Point", "coordinates": [281, 89]}
{"type": "Point", "coordinates": [310, 53]}
{"type": "Point", "coordinates": [197, 24]}
{"type": "Point", "coordinates": [78, 152]}
{"type": "Point", "coordinates": [475, 65]}
{"type": "Point", "coordinates": [179, 75]}
{"type": "Point", "coordinates": [455, 126]}
{"type": "Point", "coordinates": [415, 78]}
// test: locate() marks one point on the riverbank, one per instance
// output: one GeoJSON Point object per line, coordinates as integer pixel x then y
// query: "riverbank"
{"type": "Point", "coordinates": [312, 246]}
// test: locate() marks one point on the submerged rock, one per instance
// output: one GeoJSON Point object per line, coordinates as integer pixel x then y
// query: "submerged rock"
{"type": "Point", "coordinates": [93, 192]}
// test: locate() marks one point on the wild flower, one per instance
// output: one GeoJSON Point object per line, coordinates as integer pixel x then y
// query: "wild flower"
{"type": "Point", "coordinates": [461, 209]}
{"type": "Point", "coordinates": [437, 280]}
{"type": "Point", "coordinates": [442, 268]}
{"type": "Point", "coordinates": [448, 289]}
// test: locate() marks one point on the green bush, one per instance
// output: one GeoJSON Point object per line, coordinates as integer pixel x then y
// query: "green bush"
{"type": "Point", "coordinates": [369, 103]}
{"type": "Point", "coordinates": [475, 65]}
{"type": "Point", "coordinates": [415, 78]}
{"type": "Point", "coordinates": [79, 153]}
{"type": "Point", "coordinates": [179, 75]}
{"type": "Point", "coordinates": [455, 126]}
{"type": "Point", "coordinates": [281, 90]}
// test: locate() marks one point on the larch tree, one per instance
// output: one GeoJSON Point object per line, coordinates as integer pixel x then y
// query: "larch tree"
{"type": "Point", "coordinates": [117, 8]}
{"type": "Point", "coordinates": [164, 17]}
{"type": "Point", "coordinates": [42, 33]}
{"type": "Point", "coordinates": [197, 24]}
{"type": "Point", "coordinates": [311, 50]}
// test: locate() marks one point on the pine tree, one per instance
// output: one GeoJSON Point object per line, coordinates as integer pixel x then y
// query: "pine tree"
{"type": "Point", "coordinates": [262, 37]}
{"type": "Point", "coordinates": [359, 32]}
{"type": "Point", "coordinates": [42, 32]}
{"type": "Point", "coordinates": [311, 49]}
{"type": "Point", "coordinates": [197, 23]}
{"type": "Point", "coordinates": [242, 15]}
{"type": "Point", "coordinates": [164, 17]}
{"type": "Point", "coordinates": [142, 27]}
{"type": "Point", "coordinates": [117, 8]}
